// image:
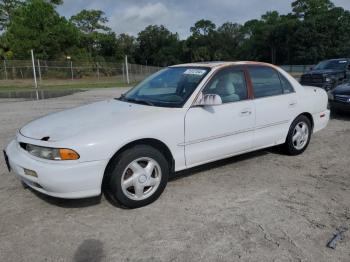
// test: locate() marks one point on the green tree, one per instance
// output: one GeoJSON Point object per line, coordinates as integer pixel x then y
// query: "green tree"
{"type": "Point", "coordinates": [202, 28]}
{"type": "Point", "coordinates": [56, 2]}
{"type": "Point", "coordinates": [201, 43]}
{"type": "Point", "coordinates": [156, 45]}
{"type": "Point", "coordinates": [126, 45]}
{"type": "Point", "coordinates": [323, 32]}
{"type": "Point", "coordinates": [89, 21]}
{"type": "Point", "coordinates": [271, 38]}
{"type": "Point", "coordinates": [228, 41]}
{"type": "Point", "coordinates": [38, 26]}
{"type": "Point", "coordinates": [7, 7]}
{"type": "Point", "coordinates": [309, 8]}
{"type": "Point", "coordinates": [95, 35]}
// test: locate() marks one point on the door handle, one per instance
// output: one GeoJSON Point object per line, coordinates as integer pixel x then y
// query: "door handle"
{"type": "Point", "coordinates": [292, 104]}
{"type": "Point", "coordinates": [246, 112]}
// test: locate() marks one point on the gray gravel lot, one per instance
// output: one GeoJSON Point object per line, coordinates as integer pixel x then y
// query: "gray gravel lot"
{"type": "Point", "coordinates": [262, 206]}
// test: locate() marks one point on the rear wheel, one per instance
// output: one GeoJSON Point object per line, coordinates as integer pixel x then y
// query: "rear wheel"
{"type": "Point", "coordinates": [299, 136]}
{"type": "Point", "coordinates": [138, 176]}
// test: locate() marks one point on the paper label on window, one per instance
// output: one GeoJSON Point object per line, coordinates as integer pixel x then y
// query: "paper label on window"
{"type": "Point", "coordinates": [197, 72]}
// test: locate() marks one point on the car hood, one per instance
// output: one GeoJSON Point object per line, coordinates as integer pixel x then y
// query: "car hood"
{"type": "Point", "coordinates": [88, 118]}
{"type": "Point", "coordinates": [342, 89]}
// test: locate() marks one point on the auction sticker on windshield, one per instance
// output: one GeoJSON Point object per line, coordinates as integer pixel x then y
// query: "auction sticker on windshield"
{"type": "Point", "coordinates": [197, 72]}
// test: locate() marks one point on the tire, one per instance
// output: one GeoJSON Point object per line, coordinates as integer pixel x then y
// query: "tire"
{"type": "Point", "coordinates": [295, 146]}
{"type": "Point", "coordinates": [132, 181]}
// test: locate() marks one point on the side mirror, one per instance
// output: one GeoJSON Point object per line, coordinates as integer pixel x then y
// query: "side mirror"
{"type": "Point", "coordinates": [208, 100]}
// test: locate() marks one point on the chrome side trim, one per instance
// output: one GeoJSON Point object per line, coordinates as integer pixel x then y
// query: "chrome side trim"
{"type": "Point", "coordinates": [196, 141]}
{"type": "Point", "coordinates": [273, 124]}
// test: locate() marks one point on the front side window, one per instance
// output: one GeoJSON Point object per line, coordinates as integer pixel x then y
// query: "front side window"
{"type": "Point", "coordinates": [229, 84]}
{"type": "Point", "coordinates": [170, 87]}
{"type": "Point", "coordinates": [266, 81]}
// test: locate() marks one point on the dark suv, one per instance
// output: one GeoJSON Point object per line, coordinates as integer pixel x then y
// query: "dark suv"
{"type": "Point", "coordinates": [327, 74]}
{"type": "Point", "coordinates": [339, 98]}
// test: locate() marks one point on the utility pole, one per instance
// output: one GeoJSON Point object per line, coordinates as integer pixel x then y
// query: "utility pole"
{"type": "Point", "coordinates": [34, 74]}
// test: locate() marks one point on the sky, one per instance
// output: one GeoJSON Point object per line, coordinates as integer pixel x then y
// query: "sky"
{"type": "Point", "coordinates": [132, 16]}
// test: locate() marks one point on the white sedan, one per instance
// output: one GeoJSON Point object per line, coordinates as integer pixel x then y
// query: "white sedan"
{"type": "Point", "coordinates": [182, 116]}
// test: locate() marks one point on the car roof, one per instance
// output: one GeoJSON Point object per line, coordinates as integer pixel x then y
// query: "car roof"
{"type": "Point", "coordinates": [216, 64]}
{"type": "Point", "coordinates": [337, 59]}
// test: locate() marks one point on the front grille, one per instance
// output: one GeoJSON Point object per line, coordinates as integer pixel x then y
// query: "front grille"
{"type": "Point", "coordinates": [342, 98]}
{"type": "Point", "coordinates": [312, 79]}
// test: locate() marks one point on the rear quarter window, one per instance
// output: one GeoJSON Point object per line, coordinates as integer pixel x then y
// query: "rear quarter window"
{"type": "Point", "coordinates": [286, 85]}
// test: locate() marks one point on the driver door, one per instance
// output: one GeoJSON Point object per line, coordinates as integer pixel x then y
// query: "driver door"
{"type": "Point", "coordinates": [220, 131]}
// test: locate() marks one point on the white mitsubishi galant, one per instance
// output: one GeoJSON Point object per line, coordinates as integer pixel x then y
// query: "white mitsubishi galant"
{"type": "Point", "coordinates": [180, 117]}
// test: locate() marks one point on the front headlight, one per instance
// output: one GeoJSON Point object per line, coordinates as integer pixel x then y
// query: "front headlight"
{"type": "Point", "coordinates": [328, 79]}
{"type": "Point", "coordinates": [51, 153]}
{"type": "Point", "coordinates": [330, 96]}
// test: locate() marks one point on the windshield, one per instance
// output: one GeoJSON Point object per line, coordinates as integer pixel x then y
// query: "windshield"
{"type": "Point", "coordinates": [170, 87]}
{"type": "Point", "coordinates": [332, 64]}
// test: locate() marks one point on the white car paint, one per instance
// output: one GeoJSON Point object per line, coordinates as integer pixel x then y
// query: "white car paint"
{"type": "Point", "coordinates": [209, 131]}
{"type": "Point", "coordinates": [194, 135]}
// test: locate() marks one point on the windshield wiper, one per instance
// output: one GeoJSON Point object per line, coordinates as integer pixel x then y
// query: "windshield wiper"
{"type": "Point", "coordinates": [136, 101]}
{"type": "Point", "coordinates": [143, 102]}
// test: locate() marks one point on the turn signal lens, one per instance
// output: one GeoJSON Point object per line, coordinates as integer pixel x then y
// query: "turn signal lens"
{"type": "Point", "coordinates": [29, 172]}
{"type": "Point", "coordinates": [68, 154]}
{"type": "Point", "coordinates": [50, 153]}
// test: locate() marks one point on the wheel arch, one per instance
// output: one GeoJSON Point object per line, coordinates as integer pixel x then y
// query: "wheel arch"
{"type": "Point", "coordinates": [306, 114]}
{"type": "Point", "coordinates": [309, 116]}
{"type": "Point", "coordinates": [157, 144]}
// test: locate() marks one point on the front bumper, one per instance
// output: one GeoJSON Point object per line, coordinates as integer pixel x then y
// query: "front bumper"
{"type": "Point", "coordinates": [66, 179]}
{"type": "Point", "coordinates": [341, 106]}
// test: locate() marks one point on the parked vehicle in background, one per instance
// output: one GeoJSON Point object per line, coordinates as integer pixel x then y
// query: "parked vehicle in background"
{"type": "Point", "coordinates": [327, 74]}
{"type": "Point", "coordinates": [339, 98]}
{"type": "Point", "coordinates": [182, 116]}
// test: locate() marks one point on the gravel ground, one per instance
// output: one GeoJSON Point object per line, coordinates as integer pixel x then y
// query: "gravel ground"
{"type": "Point", "coordinates": [262, 206]}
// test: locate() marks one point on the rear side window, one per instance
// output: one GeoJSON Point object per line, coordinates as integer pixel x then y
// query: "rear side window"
{"type": "Point", "coordinates": [286, 85]}
{"type": "Point", "coordinates": [266, 81]}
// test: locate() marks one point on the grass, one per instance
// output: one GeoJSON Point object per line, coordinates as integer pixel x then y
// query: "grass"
{"type": "Point", "coordinates": [58, 84]}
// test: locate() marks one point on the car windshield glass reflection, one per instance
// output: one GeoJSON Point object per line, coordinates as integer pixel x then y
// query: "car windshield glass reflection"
{"type": "Point", "coordinates": [332, 64]}
{"type": "Point", "coordinates": [170, 87]}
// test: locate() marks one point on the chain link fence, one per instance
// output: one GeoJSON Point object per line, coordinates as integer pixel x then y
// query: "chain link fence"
{"type": "Point", "coordinates": [296, 70]}
{"type": "Point", "coordinates": [20, 72]}
{"type": "Point", "coordinates": [59, 72]}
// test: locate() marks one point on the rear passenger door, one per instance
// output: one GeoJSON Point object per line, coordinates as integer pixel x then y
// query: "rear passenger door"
{"type": "Point", "coordinates": [275, 105]}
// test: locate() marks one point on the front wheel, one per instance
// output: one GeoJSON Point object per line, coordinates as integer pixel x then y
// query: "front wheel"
{"type": "Point", "coordinates": [138, 176]}
{"type": "Point", "coordinates": [299, 136]}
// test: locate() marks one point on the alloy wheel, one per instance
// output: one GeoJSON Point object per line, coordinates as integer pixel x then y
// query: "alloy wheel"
{"type": "Point", "coordinates": [300, 135]}
{"type": "Point", "coordinates": [141, 178]}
